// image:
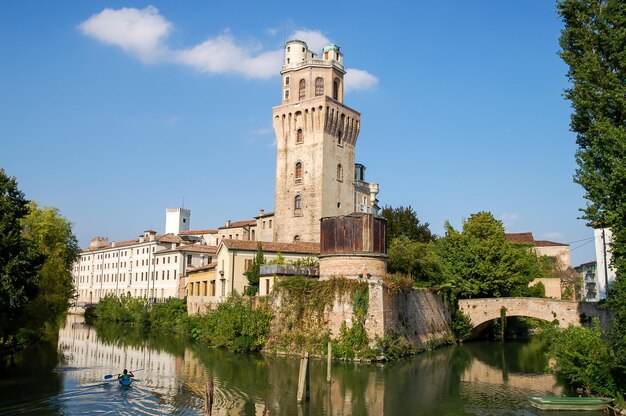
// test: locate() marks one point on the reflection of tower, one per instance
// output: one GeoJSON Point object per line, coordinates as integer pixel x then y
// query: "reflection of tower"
{"type": "Point", "coordinates": [315, 135]}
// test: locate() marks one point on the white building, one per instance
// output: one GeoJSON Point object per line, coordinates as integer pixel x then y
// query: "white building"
{"type": "Point", "coordinates": [604, 272]}
{"type": "Point", "coordinates": [149, 266]}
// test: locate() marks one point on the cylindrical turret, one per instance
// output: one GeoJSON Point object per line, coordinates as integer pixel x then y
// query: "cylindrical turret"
{"type": "Point", "coordinates": [333, 52]}
{"type": "Point", "coordinates": [296, 51]}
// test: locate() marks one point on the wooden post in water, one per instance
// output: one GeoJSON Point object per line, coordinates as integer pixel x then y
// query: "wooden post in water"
{"type": "Point", "coordinates": [208, 398]}
{"type": "Point", "coordinates": [329, 359]}
{"type": "Point", "coordinates": [303, 378]}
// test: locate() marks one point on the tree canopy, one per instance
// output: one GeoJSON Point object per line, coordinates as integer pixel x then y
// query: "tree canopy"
{"type": "Point", "coordinates": [479, 262]}
{"type": "Point", "coordinates": [415, 259]}
{"type": "Point", "coordinates": [593, 44]}
{"type": "Point", "coordinates": [403, 221]}
{"type": "Point", "coordinates": [37, 252]}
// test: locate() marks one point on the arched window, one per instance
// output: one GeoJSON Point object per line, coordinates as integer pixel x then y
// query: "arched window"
{"type": "Point", "coordinates": [296, 238]}
{"type": "Point", "coordinates": [299, 172]}
{"type": "Point", "coordinates": [339, 172]}
{"type": "Point", "coordinates": [299, 136]}
{"type": "Point", "coordinates": [302, 89]}
{"type": "Point", "coordinates": [319, 86]}
{"type": "Point", "coordinates": [297, 202]}
{"type": "Point", "coordinates": [336, 89]}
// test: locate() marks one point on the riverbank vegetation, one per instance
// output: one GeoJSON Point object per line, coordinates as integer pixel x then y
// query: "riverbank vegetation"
{"type": "Point", "coordinates": [37, 253]}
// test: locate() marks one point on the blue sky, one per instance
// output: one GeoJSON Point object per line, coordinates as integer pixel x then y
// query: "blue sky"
{"type": "Point", "coordinates": [114, 111]}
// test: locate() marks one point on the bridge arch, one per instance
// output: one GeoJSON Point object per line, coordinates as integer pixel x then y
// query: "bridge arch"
{"type": "Point", "coordinates": [566, 313]}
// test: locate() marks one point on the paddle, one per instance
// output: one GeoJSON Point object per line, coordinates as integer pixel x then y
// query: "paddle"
{"type": "Point", "coordinates": [110, 376]}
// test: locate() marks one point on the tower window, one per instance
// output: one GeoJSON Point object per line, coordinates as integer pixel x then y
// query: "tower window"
{"type": "Point", "coordinates": [302, 89]}
{"type": "Point", "coordinates": [339, 137]}
{"type": "Point", "coordinates": [299, 136]}
{"type": "Point", "coordinates": [286, 80]}
{"type": "Point", "coordinates": [298, 172]}
{"type": "Point", "coordinates": [336, 89]}
{"type": "Point", "coordinates": [286, 94]}
{"type": "Point", "coordinates": [297, 202]}
{"type": "Point", "coordinates": [319, 86]}
{"type": "Point", "coordinates": [339, 172]}
{"type": "Point", "coordinates": [296, 238]}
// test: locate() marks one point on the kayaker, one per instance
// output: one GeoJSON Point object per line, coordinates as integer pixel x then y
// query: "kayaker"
{"type": "Point", "coordinates": [125, 375]}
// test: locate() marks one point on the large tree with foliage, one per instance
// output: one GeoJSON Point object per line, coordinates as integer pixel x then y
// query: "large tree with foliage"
{"type": "Point", "coordinates": [479, 262]}
{"type": "Point", "coordinates": [403, 221]}
{"type": "Point", "coordinates": [416, 259]}
{"type": "Point", "coordinates": [593, 44]}
{"type": "Point", "coordinates": [37, 251]}
{"type": "Point", "coordinates": [52, 236]}
{"type": "Point", "coordinates": [19, 260]}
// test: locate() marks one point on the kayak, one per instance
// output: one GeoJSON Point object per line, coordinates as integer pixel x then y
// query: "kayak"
{"type": "Point", "coordinates": [126, 382]}
{"type": "Point", "coordinates": [569, 403]}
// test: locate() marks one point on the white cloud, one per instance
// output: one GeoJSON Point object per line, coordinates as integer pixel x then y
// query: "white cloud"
{"type": "Point", "coordinates": [143, 32]}
{"type": "Point", "coordinates": [314, 39]}
{"type": "Point", "coordinates": [222, 55]}
{"type": "Point", "coordinates": [357, 79]}
{"type": "Point", "coordinates": [138, 32]}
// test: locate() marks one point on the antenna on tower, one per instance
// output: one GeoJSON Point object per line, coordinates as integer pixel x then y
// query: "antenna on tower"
{"type": "Point", "coordinates": [183, 203]}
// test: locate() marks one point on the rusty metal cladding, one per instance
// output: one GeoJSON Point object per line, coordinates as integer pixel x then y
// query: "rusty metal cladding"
{"type": "Point", "coordinates": [356, 233]}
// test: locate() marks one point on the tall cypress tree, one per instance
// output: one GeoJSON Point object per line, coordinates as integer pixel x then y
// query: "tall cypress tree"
{"type": "Point", "coordinates": [593, 44]}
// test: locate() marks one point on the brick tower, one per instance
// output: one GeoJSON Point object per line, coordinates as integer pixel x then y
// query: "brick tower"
{"type": "Point", "coordinates": [316, 135]}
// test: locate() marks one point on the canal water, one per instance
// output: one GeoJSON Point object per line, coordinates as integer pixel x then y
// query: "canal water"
{"type": "Point", "coordinates": [482, 378]}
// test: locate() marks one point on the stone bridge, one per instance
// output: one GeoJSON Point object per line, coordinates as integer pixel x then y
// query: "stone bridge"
{"type": "Point", "coordinates": [566, 313]}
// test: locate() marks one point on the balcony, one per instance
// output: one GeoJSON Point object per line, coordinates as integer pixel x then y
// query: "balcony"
{"type": "Point", "coordinates": [288, 270]}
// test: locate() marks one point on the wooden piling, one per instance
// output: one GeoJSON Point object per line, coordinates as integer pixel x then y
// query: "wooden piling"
{"type": "Point", "coordinates": [303, 378]}
{"type": "Point", "coordinates": [208, 398]}
{"type": "Point", "coordinates": [329, 360]}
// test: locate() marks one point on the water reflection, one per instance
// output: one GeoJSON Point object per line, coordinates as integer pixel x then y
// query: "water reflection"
{"type": "Point", "coordinates": [473, 379]}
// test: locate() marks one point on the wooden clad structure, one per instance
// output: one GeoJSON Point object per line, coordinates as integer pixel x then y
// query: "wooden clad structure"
{"type": "Point", "coordinates": [353, 234]}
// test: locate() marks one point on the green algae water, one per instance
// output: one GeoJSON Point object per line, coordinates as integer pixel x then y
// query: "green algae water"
{"type": "Point", "coordinates": [483, 378]}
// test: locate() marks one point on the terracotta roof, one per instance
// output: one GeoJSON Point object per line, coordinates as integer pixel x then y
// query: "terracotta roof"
{"type": "Point", "coordinates": [168, 238]}
{"type": "Point", "coordinates": [520, 238]}
{"type": "Point", "coordinates": [306, 248]}
{"type": "Point", "coordinates": [161, 238]}
{"type": "Point", "coordinates": [544, 243]}
{"type": "Point", "coordinates": [237, 224]}
{"type": "Point", "coordinates": [197, 232]}
{"type": "Point", "coordinates": [191, 248]}
{"type": "Point", "coordinates": [202, 268]}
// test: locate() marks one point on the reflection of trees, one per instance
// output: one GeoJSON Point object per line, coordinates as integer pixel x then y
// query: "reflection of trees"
{"type": "Point", "coordinates": [29, 375]}
{"type": "Point", "coordinates": [512, 356]}
{"type": "Point", "coordinates": [125, 335]}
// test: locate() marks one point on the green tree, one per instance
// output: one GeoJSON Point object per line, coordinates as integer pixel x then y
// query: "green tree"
{"type": "Point", "coordinates": [19, 260]}
{"type": "Point", "coordinates": [479, 262]}
{"type": "Point", "coordinates": [593, 44]}
{"type": "Point", "coordinates": [416, 259]}
{"type": "Point", "coordinates": [404, 221]}
{"type": "Point", "coordinates": [254, 273]}
{"type": "Point", "coordinates": [51, 234]}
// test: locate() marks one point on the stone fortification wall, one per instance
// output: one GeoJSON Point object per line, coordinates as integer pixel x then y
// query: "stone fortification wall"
{"type": "Point", "coordinates": [422, 317]}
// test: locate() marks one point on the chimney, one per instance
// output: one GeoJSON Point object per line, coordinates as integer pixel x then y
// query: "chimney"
{"type": "Point", "coordinates": [261, 212]}
{"type": "Point", "coordinates": [227, 223]}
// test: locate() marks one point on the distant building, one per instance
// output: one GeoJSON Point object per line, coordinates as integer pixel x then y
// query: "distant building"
{"type": "Point", "coordinates": [149, 266]}
{"type": "Point", "coordinates": [589, 275]}
{"type": "Point", "coordinates": [605, 273]}
{"type": "Point", "coordinates": [560, 252]}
